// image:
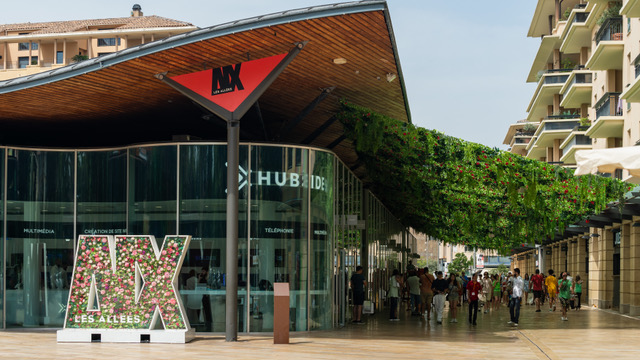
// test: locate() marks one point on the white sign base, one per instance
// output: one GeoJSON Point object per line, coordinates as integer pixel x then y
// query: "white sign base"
{"type": "Point", "coordinates": [126, 335]}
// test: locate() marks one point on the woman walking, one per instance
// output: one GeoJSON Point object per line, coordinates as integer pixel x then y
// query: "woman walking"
{"type": "Point", "coordinates": [564, 294]}
{"type": "Point", "coordinates": [497, 287]}
{"type": "Point", "coordinates": [454, 296]}
{"type": "Point", "coordinates": [395, 284]}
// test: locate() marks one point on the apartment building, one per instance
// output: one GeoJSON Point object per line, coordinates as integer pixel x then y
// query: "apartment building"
{"type": "Point", "coordinates": [588, 97]}
{"type": "Point", "coordinates": [583, 67]}
{"type": "Point", "coordinates": [30, 48]}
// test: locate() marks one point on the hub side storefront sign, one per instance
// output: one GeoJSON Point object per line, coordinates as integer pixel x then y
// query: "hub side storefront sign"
{"type": "Point", "coordinates": [123, 288]}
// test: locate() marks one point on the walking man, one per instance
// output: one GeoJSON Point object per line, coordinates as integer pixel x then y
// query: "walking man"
{"type": "Point", "coordinates": [357, 286]}
{"type": "Point", "coordinates": [426, 294]}
{"type": "Point", "coordinates": [536, 281]}
{"type": "Point", "coordinates": [439, 288]}
{"type": "Point", "coordinates": [564, 284]}
{"type": "Point", "coordinates": [516, 297]}
{"type": "Point", "coordinates": [473, 292]}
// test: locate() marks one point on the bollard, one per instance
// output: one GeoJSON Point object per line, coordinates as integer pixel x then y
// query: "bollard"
{"type": "Point", "coordinates": [281, 313]}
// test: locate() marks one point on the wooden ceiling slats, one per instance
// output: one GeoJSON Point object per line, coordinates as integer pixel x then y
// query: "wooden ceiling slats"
{"type": "Point", "coordinates": [125, 90]}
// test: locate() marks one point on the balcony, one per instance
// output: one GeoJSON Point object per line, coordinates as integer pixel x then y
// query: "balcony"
{"type": "Point", "coordinates": [632, 92]}
{"type": "Point", "coordinates": [609, 121]}
{"type": "Point", "coordinates": [577, 140]}
{"type": "Point", "coordinates": [578, 32]}
{"type": "Point", "coordinates": [551, 129]}
{"type": "Point", "coordinates": [631, 8]}
{"type": "Point", "coordinates": [577, 89]}
{"type": "Point", "coordinates": [549, 85]}
{"type": "Point", "coordinates": [609, 46]}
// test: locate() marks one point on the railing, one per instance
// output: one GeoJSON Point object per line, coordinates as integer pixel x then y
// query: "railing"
{"type": "Point", "coordinates": [524, 140]}
{"type": "Point", "coordinates": [555, 79]}
{"type": "Point", "coordinates": [609, 105]}
{"type": "Point", "coordinates": [578, 140]}
{"type": "Point", "coordinates": [582, 78]}
{"type": "Point", "coordinates": [552, 71]}
{"type": "Point", "coordinates": [580, 17]}
{"type": "Point", "coordinates": [611, 29]}
{"type": "Point", "coordinates": [580, 6]}
{"type": "Point", "coordinates": [562, 117]}
{"type": "Point", "coordinates": [560, 125]}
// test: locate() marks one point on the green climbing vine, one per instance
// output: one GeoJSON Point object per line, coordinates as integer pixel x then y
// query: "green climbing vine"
{"type": "Point", "coordinates": [467, 193]}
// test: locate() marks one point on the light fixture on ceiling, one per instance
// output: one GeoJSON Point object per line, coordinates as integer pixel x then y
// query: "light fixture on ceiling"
{"type": "Point", "coordinates": [340, 61]}
{"type": "Point", "coordinates": [391, 77]}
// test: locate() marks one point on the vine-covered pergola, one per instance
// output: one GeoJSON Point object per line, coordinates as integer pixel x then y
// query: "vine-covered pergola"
{"type": "Point", "coordinates": [466, 193]}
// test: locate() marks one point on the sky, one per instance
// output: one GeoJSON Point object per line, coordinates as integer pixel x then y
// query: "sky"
{"type": "Point", "coordinates": [464, 63]}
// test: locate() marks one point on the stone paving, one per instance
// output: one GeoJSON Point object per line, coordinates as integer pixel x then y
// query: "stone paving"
{"type": "Point", "coordinates": [589, 334]}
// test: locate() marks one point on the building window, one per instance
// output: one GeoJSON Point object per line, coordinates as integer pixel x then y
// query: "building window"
{"type": "Point", "coordinates": [108, 42]}
{"type": "Point", "coordinates": [23, 61]}
{"type": "Point", "coordinates": [59, 57]}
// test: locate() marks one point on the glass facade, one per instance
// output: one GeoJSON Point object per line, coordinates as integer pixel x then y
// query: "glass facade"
{"type": "Point", "coordinates": [304, 219]}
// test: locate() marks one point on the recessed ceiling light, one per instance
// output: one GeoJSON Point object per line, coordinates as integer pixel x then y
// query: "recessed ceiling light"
{"type": "Point", "coordinates": [339, 61]}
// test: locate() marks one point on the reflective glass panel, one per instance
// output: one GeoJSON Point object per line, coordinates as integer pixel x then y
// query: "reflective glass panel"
{"type": "Point", "coordinates": [39, 236]}
{"type": "Point", "coordinates": [152, 191]}
{"type": "Point", "coordinates": [2, 274]}
{"type": "Point", "coordinates": [321, 214]}
{"type": "Point", "coordinates": [203, 201]}
{"type": "Point", "coordinates": [279, 235]}
{"type": "Point", "coordinates": [102, 192]}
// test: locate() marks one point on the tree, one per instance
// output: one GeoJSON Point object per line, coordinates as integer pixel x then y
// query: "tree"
{"type": "Point", "coordinates": [501, 269]}
{"type": "Point", "coordinates": [460, 263]}
{"type": "Point", "coordinates": [432, 264]}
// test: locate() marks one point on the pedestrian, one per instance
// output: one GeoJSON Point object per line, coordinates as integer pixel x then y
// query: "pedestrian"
{"type": "Point", "coordinates": [516, 297]}
{"type": "Point", "coordinates": [496, 291]}
{"type": "Point", "coordinates": [465, 280]}
{"type": "Point", "coordinates": [526, 289]}
{"type": "Point", "coordinates": [395, 283]}
{"type": "Point", "coordinates": [454, 296]}
{"type": "Point", "coordinates": [552, 286]}
{"type": "Point", "coordinates": [414, 292]}
{"type": "Point", "coordinates": [536, 284]}
{"type": "Point", "coordinates": [577, 290]}
{"type": "Point", "coordinates": [564, 294]}
{"type": "Point", "coordinates": [487, 291]}
{"type": "Point", "coordinates": [473, 291]}
{"type": "Point", "coordinates": [439, 288]}
{"type": "Point", "coordinates": [426, 294]}
{"type": "Point", "coordinates": [358, 284]}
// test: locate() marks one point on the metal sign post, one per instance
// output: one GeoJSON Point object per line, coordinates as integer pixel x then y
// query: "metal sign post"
{"type": "Point", "coordinates": [229, 92]}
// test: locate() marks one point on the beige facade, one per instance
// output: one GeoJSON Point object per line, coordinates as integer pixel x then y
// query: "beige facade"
{"type": "Point", "coordinates": [30, 48]}
{"type": "Point", "coordinates": [601, 38]}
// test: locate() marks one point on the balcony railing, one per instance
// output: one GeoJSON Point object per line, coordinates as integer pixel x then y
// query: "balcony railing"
{"type": "Point", "coordinates": [522, 140]}
{"type": "Point", "coordinates": [609, 105]}
{"type": "Point", "coordinates": [577, 140]}
{"type": "Point", "coordinates": [580, 17]}
{"type": "Point", "coordinates": [562, 117]}
{"type": "Point", "coordinates": [611, 29]}
{"type": "Point", "coordinates": [555, 79]}
{"type": "Point", "coordinates": [560, 125]}
{"type": "Point", "coordinates": [582, 79]}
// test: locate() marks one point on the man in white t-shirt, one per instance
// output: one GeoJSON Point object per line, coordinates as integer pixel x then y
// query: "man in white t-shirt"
{"type": "Point", "coordinates": [516, 297]}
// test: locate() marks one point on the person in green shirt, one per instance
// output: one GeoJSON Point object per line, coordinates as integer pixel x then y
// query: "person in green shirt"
{"type": "Point", "coordinates": [564, 294]}
{"type": "Point", "coordinates": [577, 290]}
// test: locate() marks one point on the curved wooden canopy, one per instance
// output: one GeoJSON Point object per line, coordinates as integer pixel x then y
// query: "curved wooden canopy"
{"type": "Point", "coordinates": [116, 100]}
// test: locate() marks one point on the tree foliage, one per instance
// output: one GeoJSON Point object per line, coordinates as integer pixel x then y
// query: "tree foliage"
{"type": "Point", "coordinates": [466, 193]}
{"type": "Point", "coordinates": [460, 263]}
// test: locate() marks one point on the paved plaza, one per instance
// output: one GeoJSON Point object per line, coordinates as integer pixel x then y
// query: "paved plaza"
{"type": "Point", "coordinates": [589, 334]}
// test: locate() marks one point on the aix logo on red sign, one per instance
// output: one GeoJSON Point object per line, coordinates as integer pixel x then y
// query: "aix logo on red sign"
{"type": "Point", "coordinates": [126, 283]}
{"type": "Point", "coordinates": [228, 86]}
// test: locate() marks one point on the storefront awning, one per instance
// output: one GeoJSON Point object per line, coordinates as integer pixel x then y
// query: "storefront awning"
{"type": "Point", "coordinates": [608, 160]}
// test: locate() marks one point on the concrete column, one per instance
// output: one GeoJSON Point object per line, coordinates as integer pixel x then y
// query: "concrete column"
{"type": "Point", "coordinates": [563, 257]}
{"type": "Point", "coordinates": [571, 255]}
{"type": "Point", "coordinates": [600, 269]}
{"type": "Point", "coordinates": [4, 56]}
{"type": "Point", "coordinates": [556, 59]}
{"type": "Point", "coordinates": [556, 103]}
{"type": "Point", "coordinates": [634, 269]}
{"type": "Point", "coordinates": [55, 52]}
{"type": "Point", "coordinates": [584, 55]}
{"type": "Point", "coordinates": [625, 268]}
{"type": "Point", "coordinates": [581, 267]}
{"type": "Point", "coordinates": [89, 47]}
{"type": "Point", "coordinates": [548, 254]}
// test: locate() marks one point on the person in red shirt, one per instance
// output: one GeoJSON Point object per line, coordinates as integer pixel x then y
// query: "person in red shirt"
{"type": "Point", "coordinates": [473, 290]}
{"type": "Point", "coordinates": [536, 281]}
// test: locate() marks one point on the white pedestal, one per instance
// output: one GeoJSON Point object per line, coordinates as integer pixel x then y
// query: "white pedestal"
{"type": "Point", "coordinates": [126, 335]}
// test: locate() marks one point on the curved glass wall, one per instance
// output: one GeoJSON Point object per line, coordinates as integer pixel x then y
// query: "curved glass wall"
{"type": "Point", "coordinates": [304, 219]}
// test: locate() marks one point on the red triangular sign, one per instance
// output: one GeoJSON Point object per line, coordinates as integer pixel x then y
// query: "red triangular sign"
{"type": "Point", "coordinates": [230, 85]}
